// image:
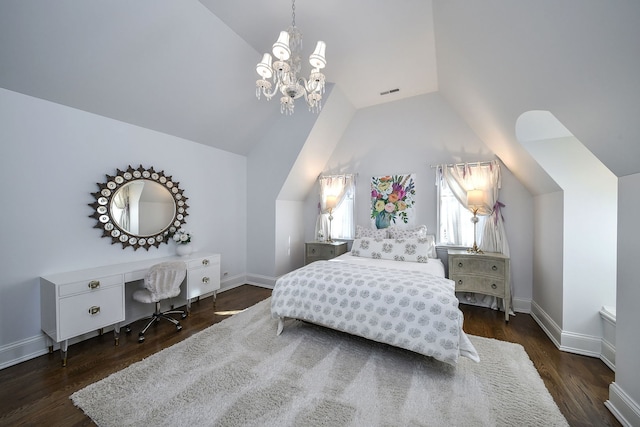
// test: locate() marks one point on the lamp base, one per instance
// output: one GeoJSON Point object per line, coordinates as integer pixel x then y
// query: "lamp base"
{"type": "Point", "coordinates": [475, 249]}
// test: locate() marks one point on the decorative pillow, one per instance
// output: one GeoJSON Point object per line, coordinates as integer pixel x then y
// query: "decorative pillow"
{"type": "Point", "coordinates": [419, 232]}
{"type": "Point", "coordinates": [412, 250]}
{"type": "Point", "coordinates": [372, 233]}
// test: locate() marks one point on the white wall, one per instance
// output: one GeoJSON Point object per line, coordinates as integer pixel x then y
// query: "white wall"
{"type": "Point", "coordinates": [52, 158]}
{"type": "Point", "coordinates": [409, 136]}
{"type": "Point", "coordinates": [547, 262]}
{"type": "Point", "coordinates": [589, 276]}
{"type": "Point", "coordinates": [624, 393]}
{"type": "Point", "coordinates": [289, 247]}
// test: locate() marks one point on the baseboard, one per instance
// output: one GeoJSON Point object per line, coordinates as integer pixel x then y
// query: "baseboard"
{"type": "Point", "coordinates": [259, 280]}
{"type": "Point", "coordinates": [23, 350]}
{"type": "Point", "coordinates": [586, 345]}
{"type": "Point", "coordinates": [608, 356]}
{"type": "Point", "coordinates": [623, 407]}
{"type": "Point", "coordinates": [570, 342]}
{"type": "Point", "coordinates": [521, 305]}
{"type": "Point", "coordinates": [546, 323]}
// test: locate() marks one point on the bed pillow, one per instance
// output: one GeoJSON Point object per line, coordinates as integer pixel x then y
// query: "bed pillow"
{"type": "Point", "coordinates": [418, 232]}
{"type": "Point", "coordinates": [411, 250]}
{"type": "Point", "coordinates": [372, 233]}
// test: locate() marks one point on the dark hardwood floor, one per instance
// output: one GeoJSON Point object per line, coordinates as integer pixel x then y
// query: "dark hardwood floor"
{"type": "Point", "coordinates": [36, 392]}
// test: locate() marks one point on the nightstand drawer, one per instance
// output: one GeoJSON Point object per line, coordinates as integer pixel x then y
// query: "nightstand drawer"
{"type": "Point", "coordinates": [483, 285]}
{"type": "Point", "coordinates": [316, 251]}
{"type": "Point", "coordinates": [475, 265]}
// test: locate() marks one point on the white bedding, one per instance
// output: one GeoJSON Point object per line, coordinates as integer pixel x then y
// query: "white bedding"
{"type": "Point", "coordinates": [405, 304]}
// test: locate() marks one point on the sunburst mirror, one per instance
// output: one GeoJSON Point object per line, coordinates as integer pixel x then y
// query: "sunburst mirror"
{"type": "Point", "coordinates": [139, 207]}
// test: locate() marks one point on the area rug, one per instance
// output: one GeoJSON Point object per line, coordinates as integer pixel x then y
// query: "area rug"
{"type": "Point", "coordinates": [239, 373]}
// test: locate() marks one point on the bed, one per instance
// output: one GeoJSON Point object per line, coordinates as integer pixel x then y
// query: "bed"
{"type": "Point", "coordinates": [391, 291]}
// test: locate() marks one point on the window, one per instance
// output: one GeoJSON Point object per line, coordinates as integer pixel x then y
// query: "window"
{"type": "Point", "coordinates": [342, 226]}
{"type": "Point", "coordinates": [454, 220]}
{"type": "Point", "coordinates": [340, 188]}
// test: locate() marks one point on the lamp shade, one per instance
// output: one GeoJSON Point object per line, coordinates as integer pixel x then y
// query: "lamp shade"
{"type": "Point", "coordinates": [264, 67]}
{"type": "Point", "coordinates": [330, 202]}
{"type": "Point", "coordinates": [475, 198]}
{"type": "Point", "coordinates": [281, 48]}
{"type": "Point", "coordinates": [317, 59]}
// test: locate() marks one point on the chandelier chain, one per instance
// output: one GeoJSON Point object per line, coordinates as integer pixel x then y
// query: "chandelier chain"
{"type": "Point", "coordinates": [293, 13]}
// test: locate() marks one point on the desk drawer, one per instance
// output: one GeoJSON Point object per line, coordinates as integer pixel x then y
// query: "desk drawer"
{"type": "Point", "coordinates": [203, 262]}
{"type": "Point", "coordinates": [203, 281]}
{"type": "Point", "coordinates": [89, 311]}
{"type": "Point", "coordinates": [93, 285]}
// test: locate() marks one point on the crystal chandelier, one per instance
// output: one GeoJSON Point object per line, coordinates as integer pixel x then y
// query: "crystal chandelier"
{"type": "Point", "coordinates": [282, 74]}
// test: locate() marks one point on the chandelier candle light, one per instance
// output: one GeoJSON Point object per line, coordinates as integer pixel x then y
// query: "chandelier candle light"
{"type": "Point", "coordinates": [475, 200]}
{"type": "Point", "coordinates": [284, 71]}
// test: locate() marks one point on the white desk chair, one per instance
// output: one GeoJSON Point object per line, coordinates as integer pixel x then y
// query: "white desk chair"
{"type": "Point", "coordinates": [162, 281]}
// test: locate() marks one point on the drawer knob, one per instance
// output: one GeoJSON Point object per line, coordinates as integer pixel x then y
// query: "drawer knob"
{"type": "Point", "coordinates": [494, 268]}
{"type": "Point", "coordinates": [205, 262]}
{"type": "Point", "coordinates": [94, 310]}
{"type": "Point", "coordinates": [313, 250]}
{"type": "Point", "coordinates": [205, 280]}
{"type": "Point", "coordinates": [459, 264]}
{"type": "Point", "coordinates": [494, 286]}
{"type": "Point", "coordinates": [94, 284]}
{"type": "Point", "coordinates": [460, 282]}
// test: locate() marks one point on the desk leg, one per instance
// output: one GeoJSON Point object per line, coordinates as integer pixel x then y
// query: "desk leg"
{"type": "Point", "coordinates": [64, 346]}
{"type": "Point", "coordinates": [215, 296]}
{"type": "Point", "coordinates": [188, 306]}
{"type": "Point", "coordinates": [116, 334]}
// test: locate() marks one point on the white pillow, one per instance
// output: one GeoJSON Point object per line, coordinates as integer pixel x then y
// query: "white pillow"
{"type": "Point", "coordinates": [372, 233]}
{"type": "Point", "coordinates": [419, 232]}
{"type": "Point", "coordinates": [411, 250]}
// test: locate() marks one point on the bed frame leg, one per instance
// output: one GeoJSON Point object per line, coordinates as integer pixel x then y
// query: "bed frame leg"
{"type": "Point", "coordinates": [280, 325]}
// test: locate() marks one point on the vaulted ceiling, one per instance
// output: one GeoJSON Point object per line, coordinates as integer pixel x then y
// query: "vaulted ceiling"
{"type": "Point", "coordinates": [187, 68]}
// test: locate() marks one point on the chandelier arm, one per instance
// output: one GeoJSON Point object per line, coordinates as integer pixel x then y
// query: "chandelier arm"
{"type": "Point", "coordinates": [275, 87]}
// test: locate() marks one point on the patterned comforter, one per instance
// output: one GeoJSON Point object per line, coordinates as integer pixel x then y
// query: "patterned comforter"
{"type": "Point", "coordinates": [413, 310]}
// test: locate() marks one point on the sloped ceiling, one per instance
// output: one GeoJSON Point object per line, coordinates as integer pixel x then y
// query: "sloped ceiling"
{"type": "Point", "coordinates": [189, 70]}
{"type": "Point", "coordinates": [186, 67]}
{"type": "Point", "coordinates": [578, 59]}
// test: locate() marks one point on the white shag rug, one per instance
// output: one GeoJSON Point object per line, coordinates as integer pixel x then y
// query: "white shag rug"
{"type": "Point", "coordinates": [239, 373]}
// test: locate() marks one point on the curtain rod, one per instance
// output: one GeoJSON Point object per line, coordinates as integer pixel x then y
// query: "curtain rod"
{"type": "Point", "coordinates": [338, 175]}
{"type": "Point", "coordinates": [462, 164]}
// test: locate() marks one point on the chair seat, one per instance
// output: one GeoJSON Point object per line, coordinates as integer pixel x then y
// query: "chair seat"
{"type": "Point", "coordinates": [161, 282]}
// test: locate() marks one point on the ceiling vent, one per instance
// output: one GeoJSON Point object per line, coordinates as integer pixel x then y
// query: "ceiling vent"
{"type": "Point", "coordinates": [389, 91]}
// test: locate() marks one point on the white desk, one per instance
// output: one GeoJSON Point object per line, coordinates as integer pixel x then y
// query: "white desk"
{"type": "Point", "coordinates": [77, 302]}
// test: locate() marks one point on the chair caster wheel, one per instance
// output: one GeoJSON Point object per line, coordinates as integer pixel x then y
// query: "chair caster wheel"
{"type": "Point", "coordinates": [184, 315]}
{"type": "Point", "coordinates": [127, 329]}
{"type": "Point", "coordinates": [141, 339]}
{"type": "Point", "coordinates": [178, 327]}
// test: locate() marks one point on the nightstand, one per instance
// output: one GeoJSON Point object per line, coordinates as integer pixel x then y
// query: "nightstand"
{"type": "Point", "coordinates": [486, 273]}
{"type": "Point", "coordinates": [315, 251]}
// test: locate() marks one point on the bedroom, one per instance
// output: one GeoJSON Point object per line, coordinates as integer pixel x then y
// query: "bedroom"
{"type": "Point", "coordinates": [471, 117]}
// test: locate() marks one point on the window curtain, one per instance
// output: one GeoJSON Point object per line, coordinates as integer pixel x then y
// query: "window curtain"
{"type": "Point", "coordinates": [334, 185]}
{"type": "Point", "coordinates": [487, 177]}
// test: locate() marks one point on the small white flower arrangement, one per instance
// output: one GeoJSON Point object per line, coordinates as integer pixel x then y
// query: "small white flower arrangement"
{"type": "Point", "coordinates": [182, 237]}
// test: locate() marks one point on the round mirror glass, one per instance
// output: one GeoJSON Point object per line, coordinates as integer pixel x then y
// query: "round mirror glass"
{"type": "Point", "coordinates": [143, 208]}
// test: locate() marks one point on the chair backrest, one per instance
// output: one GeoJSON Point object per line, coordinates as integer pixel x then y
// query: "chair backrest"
{"type": "Point", "coordinates": [163, 280]}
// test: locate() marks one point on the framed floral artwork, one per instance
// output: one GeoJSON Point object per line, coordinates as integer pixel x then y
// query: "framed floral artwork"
{"type": "Point", "coordinates": [392, 200]}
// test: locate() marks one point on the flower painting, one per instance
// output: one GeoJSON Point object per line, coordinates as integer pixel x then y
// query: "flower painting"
{"type": "Point", "coordinates": [392, 199]}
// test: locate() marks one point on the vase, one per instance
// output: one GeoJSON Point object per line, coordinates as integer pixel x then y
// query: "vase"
{"type": "Point", "coordinates": [383, 220]}
{"type": "Point", "coordinates": [184, 249]}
